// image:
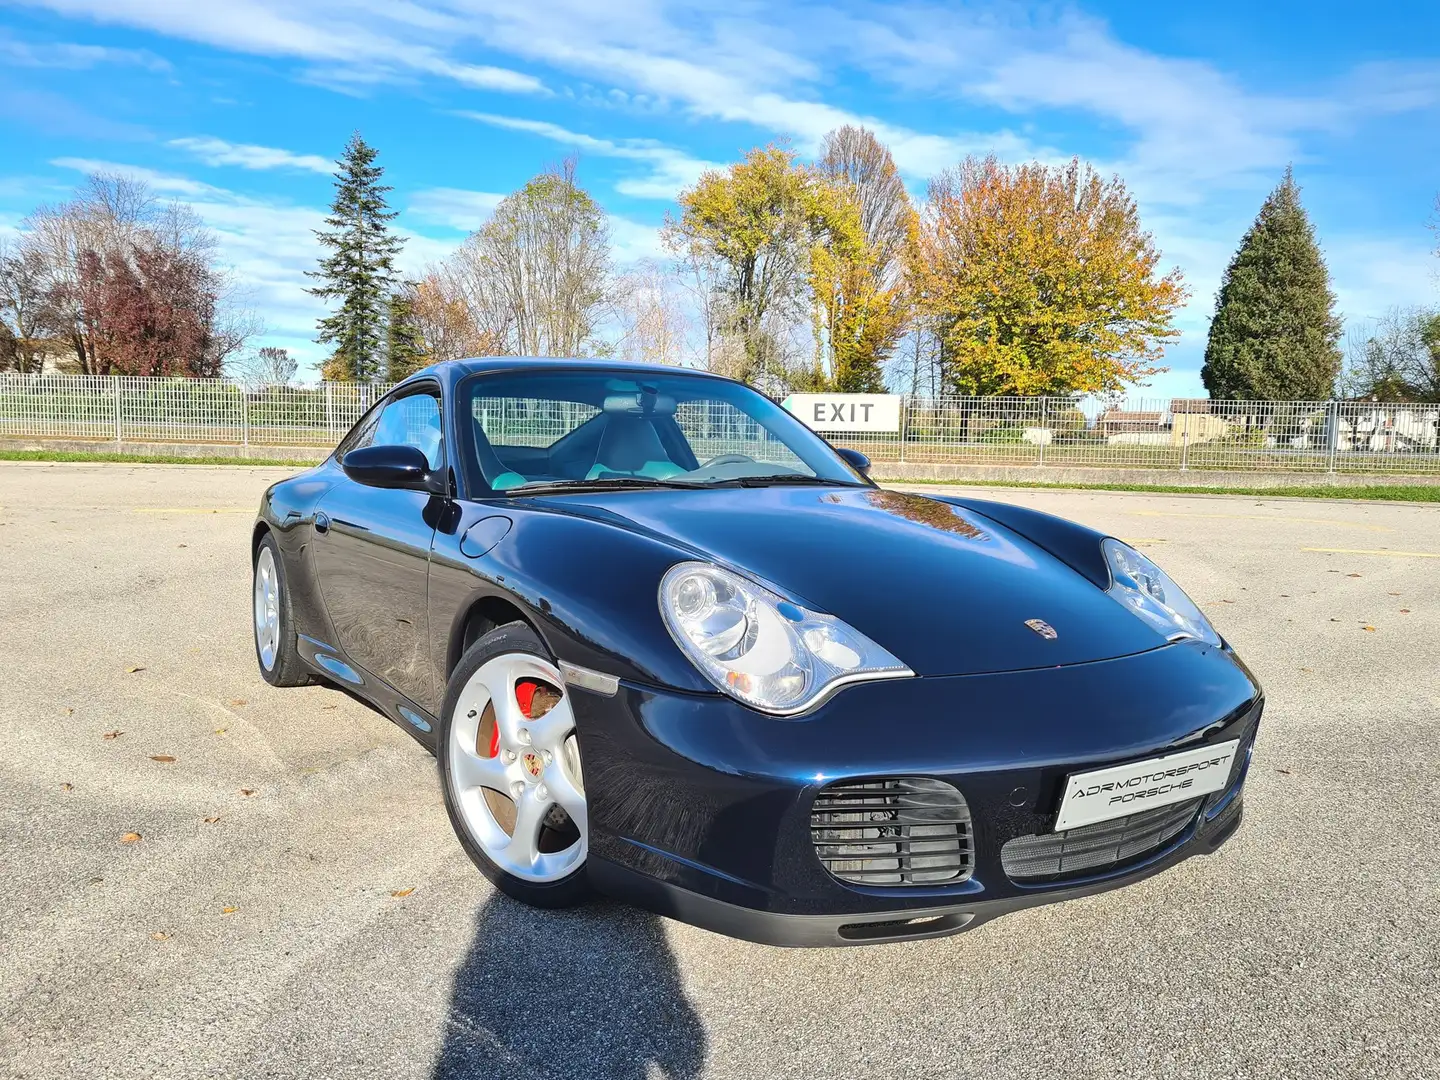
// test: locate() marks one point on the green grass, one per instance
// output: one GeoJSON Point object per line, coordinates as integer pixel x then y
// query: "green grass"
{"type": "Point", "coordinates": [1424, 493]}
{"type": "Point", "coordinates": [142, 459]}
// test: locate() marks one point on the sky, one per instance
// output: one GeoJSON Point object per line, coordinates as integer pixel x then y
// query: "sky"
{"type": "Point", "coordinates": [240, 106]}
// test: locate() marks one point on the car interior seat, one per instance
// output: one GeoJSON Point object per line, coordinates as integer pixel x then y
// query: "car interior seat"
{"type": "Point", "coordinates": [629, 445]}
{"type": "Point", "coordinates": [499, 477]}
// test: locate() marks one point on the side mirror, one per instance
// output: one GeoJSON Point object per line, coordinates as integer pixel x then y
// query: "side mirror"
{"type": "Point", "coordinates": [392, 467]}
{"type": "Point", "coordinates": [856, 460]}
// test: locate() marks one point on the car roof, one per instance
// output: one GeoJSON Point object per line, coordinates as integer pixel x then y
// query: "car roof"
{"type": "Point", "coordinates": [450, 372]}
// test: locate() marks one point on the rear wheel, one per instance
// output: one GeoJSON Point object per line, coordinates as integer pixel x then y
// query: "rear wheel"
{"type": "Point", "coordinates": [510, 769]}
{"type": "Point", "coordinates": [280, 662]}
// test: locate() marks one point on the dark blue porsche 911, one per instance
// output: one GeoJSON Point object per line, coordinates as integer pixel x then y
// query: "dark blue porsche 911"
{"type": "Point", "coordinates": [669, 644]}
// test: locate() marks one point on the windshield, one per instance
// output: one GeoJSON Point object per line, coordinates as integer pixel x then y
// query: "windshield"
{"type": "Point", "coordinates": [561, 429]}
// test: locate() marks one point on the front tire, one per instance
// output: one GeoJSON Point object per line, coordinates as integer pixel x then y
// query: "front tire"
{"type": "Point", "coordinates": [510, 769]}
{"type": "Point", "coordinates": [275, 651]}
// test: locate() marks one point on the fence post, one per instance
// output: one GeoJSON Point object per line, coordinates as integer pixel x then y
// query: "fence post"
{"type": "Point", "coordinates": [115, 396]}
{"type": "Point", "coordinates": [329, 412]}
{"type": "Point", "coordinates": [904, 417]}
{"type": "Point", "coordinates": [244, 415]}
{"type": "Point", "coordinates": [1185, 443]}
{"type": "Point", "coordinates": [1044, 427]}
{"type": "Point", "coordinates": [1333, 435]}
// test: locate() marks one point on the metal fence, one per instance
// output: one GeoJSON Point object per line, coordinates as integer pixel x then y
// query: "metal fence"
{"type": "Point", "coordinates": [1161, 433]}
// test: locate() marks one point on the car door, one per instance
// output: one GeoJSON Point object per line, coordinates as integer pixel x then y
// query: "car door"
{"type": "Point", "coordinates": [372, 553]}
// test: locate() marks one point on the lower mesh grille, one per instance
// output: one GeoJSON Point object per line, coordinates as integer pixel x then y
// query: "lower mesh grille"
{"type": "Point", "coordinates": [909, 830]}
{"type": "Point", "coordinates": [1094, 848]}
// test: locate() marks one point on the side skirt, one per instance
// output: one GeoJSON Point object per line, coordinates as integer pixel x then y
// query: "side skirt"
{"type": "Point", "coordinates": [331, 664]}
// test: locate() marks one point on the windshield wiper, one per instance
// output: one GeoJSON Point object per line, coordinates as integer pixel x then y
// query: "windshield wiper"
{"type": "Point", "coordinates": [780, 478]}
{"type": "Point", "coordinates": [611, 483]}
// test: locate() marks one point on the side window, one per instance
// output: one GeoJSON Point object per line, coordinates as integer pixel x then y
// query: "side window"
{"type": "Point", "coordinates": [413, 420]}
{"type": "Point", "coordinates": [362, 434]}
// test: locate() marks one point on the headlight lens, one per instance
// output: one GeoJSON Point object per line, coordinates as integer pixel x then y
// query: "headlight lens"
{"type": "Point", "coordinates": [760, 648]}
{"type": "Point", "coordinates": [1149, 592]}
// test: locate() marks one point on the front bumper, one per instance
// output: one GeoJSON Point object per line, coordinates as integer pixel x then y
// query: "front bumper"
{"type": "Point", "coordinates": [813, 931]}
{"type": "Point", "coordinates": [700, 808]}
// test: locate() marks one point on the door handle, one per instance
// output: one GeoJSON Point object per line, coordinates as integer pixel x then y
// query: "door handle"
{"type": "Point", "coordinates": [322, 523]}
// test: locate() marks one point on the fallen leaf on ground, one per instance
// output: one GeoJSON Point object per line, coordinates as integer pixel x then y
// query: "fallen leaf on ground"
{"type": "Point", "coordinates": [329, 707]}
{"type": "Point", "coordinates": [134, 669]}
{"type": "Point", "coordinates": [1285, 771]}
{"type": "Point", "coordinates": [163, 758]}
{"type": "Point", "coordinates": [219, 731]}
{"type": "Point", "coordinates": [247, 791]}
{"type": "Point", "coordinates": [212, 820]}
{"type": "Point", "coordinates": [236, 701]}
{"type": "Point", "coordinates": [1334, 620]}
{"type": "Point", "coordinates": [1392, 594]}
{"type": "Point", "coordinates": [67, 787]}
{"type": "Point", "coordinates": [110, 735]}
{"type": "Point", "coordinates": [1227, 601]}
{"type": "Point", "coordinates": [1352, 575]}
{"type": "Point", "coordinates": [1404, 611]}
{"type": "Point", "coordinates": [1307, 669]}
{"type": "Point", "coordinates": [228, 910]}
{"type": "Point", "coordinates": [130, 838]}
{"type": "Point", "coordinates": [69, 711]}
{"type": "Point", "coordinates": [403, 892]}
{"type": "Point", "coordinates": [182, 545]}
{"type": "Point", "coordinates": [160, 935]}
{"type": "Point", "coordinates": [1368, 629]}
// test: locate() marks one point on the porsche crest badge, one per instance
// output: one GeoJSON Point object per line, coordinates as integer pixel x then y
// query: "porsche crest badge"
{"type": "Point", "coordinates": [1043, 628]}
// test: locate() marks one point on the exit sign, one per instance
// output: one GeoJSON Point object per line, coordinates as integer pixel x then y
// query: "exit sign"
{"type": "Point", "coordinates": [846, 412]}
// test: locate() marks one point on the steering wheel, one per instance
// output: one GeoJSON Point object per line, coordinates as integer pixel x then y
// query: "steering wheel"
{"type": "Point", "coordinates": [729, 459]}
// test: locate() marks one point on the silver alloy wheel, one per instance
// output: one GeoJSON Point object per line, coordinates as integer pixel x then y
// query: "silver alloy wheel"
{"type": "Point", "coordinates": [532, 783]}
{"type": "Point", "coordinates": [267, 609]}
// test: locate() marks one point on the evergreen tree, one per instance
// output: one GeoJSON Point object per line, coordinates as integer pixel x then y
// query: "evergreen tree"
{"type": "Point", "coordinates": [1275, 331]}
{"type": "Point", "coordinates": [405, 351]}
{"type": "Point", "coordinates": [358, 266]}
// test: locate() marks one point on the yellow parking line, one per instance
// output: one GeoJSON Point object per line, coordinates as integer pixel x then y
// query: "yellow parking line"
{"type": "Point", "coordinates": [191, 510]}
{"type": "Point", "coordinates": [1361, 551]}
{"type": "Point", "coordinates": [1265, 517]}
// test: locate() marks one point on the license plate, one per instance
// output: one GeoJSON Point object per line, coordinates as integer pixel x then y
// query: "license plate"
{"type": "Point", "coordinates": [1103, 794]}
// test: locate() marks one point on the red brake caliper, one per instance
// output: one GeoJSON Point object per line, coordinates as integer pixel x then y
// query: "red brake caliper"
{"type": "Point", "coordinates": [525, 696]}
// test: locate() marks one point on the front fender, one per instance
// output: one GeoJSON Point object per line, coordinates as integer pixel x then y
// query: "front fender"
{"type": "Point", "coordinates": [590, 587]}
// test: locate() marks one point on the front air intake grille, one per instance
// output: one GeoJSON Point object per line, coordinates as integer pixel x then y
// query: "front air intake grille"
{"type": "Point", "coordinates": [908, 830]}
{"type": "Point", "coordinates": [1096, 848]}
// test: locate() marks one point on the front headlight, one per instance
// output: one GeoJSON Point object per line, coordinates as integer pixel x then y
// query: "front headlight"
{"type": "Point", "coordinates": [1147, 590]}
{"type": "Point", "coordinates": [760, 648]}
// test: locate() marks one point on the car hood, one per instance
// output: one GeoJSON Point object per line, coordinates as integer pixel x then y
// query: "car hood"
{"type": "Point", "coordinates": [947, 590]}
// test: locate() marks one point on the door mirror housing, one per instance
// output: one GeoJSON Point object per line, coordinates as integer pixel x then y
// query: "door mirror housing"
{"type": "Point", "coordinates": [393, 467]}
{"type": "Point", "coordinates": [856, 460]}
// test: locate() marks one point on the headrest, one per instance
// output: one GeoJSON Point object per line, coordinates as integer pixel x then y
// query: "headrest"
{"type": "Point", "coordinates": [639, 403]}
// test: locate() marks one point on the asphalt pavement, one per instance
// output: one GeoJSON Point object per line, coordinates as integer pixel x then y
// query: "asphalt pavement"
{"type": "Point", "coordinates": [201, 876]}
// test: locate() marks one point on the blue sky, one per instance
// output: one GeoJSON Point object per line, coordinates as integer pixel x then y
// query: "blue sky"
{"type": "Point", "coordinates": [238, 106]}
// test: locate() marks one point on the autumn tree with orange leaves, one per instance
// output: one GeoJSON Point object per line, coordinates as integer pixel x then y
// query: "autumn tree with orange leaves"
{"type": "Point", "coordinates": [1040, 280]}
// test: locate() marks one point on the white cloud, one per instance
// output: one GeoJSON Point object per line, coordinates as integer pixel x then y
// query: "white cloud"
{"type": "Point", "coordinates": [214, 151]}
{"type": "Point", "coordinates": [632, 241]}
{"type": "Point", "coordinates": [164, 183]}
{"type": "Point", "coordinates": [454, 208]}
{"type": "Point", "coordinates": [69, 56]}
{"type": "Point", "coordinates": [385, 40]}
{"type": "Point", "coordinates": [670, 169]}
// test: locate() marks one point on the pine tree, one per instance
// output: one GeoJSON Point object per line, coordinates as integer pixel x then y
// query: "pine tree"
{"type": "Point", "coordinates": [358, 268]}
{"type": "Point", "coordinates": [405, 350]}
{"type": "Point", "coordinates": [1275, 331]}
